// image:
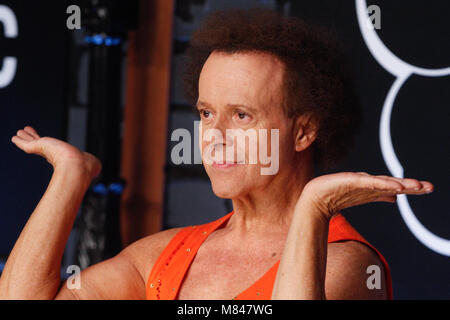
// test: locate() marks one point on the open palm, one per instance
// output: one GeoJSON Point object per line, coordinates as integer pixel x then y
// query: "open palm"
{"type": "Point", "coordinates": [334, 192]}
{"type": "Point", "coordinates": [55, 151]}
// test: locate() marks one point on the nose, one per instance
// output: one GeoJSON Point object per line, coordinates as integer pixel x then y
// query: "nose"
{"type": "Point", "coordinates": [221, 124]}
{"type": "Point", "coordinates": [219, 129]}
{"type": "Point", "coordinates": [215, 138]}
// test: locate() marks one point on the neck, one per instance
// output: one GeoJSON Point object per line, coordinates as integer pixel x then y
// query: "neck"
{"type": "Point", "coordinates": [269, 210]}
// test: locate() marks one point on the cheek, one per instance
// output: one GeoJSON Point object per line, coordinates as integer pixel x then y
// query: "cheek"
{"type": "Point", "coordinates": [274, 141]}
{"type": "Point", "coordinates": [277, 151]}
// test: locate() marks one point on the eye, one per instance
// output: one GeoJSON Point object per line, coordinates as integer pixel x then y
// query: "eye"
{"type": "Point", "coordinates": [242, 115]}
{"type": "Point", "coordinates": [205, 113]}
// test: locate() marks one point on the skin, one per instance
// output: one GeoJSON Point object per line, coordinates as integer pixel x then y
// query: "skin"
{"type": "Point", "coordinates": [283, 216]}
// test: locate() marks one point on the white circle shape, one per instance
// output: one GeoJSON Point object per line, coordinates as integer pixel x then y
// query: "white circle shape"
{"type": "Point", "coordinates": [402, 71]}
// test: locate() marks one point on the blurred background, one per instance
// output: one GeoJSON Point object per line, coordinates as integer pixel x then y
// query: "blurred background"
{"type": "Point", "coordinates": [113, 88]}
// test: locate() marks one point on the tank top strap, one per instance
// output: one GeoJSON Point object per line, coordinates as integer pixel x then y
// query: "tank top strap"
{"type": "Point", "coordinates": [171, 266]}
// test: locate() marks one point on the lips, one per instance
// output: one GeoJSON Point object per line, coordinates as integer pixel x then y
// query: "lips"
{"type": "Point", "coordinates": [224, 165]}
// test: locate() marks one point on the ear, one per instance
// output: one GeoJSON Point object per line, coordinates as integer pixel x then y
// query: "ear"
{"type": "Point", "coordinates": [305, 131]}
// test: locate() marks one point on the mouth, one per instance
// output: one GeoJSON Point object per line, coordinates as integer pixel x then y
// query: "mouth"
{"type": "Point", "coordinates": [224, 165]}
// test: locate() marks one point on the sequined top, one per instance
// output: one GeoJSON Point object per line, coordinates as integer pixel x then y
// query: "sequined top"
{"type": "Point", "coordinates": [172, 265]}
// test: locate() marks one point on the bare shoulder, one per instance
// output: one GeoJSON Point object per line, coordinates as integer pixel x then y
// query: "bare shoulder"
{"type": "Point", "coordinates": [122, 276]}
{"type": "Point", "coordinates": [347, 271]}
{"type": "Point", "coordinates": [144, 252]}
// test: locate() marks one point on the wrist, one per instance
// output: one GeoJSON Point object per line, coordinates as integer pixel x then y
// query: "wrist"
{"type": "Point", "coordinates": [309, 206]}
{"type": "Point", "coordinates": [75, 171]}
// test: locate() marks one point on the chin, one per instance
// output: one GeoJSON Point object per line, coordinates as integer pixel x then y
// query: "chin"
{"type": "Point", "coordinates": [226, 188]}
{"type": "Point", "coordinates": [226, 185]}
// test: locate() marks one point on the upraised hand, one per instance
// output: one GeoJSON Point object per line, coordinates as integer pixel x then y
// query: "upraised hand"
{"type": "Point", "coordinates": [56, 152]}
{"type": "Point", "coordinates": [333, 192]}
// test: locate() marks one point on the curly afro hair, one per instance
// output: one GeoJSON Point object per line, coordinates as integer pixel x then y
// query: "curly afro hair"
{"type": "Point", "coordinates": [317, 77]}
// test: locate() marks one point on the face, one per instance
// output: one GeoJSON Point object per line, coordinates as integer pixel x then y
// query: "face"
{"type": "Point", "coordinates": [242, 92]}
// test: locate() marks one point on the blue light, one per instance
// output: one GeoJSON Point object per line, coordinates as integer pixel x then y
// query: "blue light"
{"type": "Point", "coordinates": [102, 40]}
{"type": "Point", "coordinates": [116, 188]}
{"type": "Point", "coordinates": [97, 39]}
{"type": "Point", "coordinates": [100, 188]}
{"type": "Point", "coordinates": [115, 41]}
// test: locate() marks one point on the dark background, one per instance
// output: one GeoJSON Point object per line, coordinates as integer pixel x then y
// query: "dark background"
{"type": "Point", "coordinates": [416, 31]}
{"type": "Point", "coordinates": [35, 97]}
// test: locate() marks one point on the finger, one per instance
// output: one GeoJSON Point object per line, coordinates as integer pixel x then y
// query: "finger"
{"type": "Point", "coordinates": [413, 186]}
{"type": "Point", "coordinates": [428, 186]}
{"type": "Point", "coordinates": [20, 143]}
{"type": "Point", "coordinates": [409, 184]}
{"type": "Point", "coordinates": [25, 135]}
{"type": "Point", "coordinates": [406, 182]}
{"type": "Point", "coordinates": [32, 132]}
{"type": "Point", "coordinates": [404, 185]}
{"type": "Point", "coordinates": [377, 183]}
{"type": "Point", "coordinates": [15, 139]}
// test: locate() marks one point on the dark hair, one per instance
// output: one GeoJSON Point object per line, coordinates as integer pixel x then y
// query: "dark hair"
{"type": "Point", "coordinates": [316, 80]}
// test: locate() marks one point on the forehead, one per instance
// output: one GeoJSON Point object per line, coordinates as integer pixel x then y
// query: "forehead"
{"type": "Point", "coordinates": [237, 78]}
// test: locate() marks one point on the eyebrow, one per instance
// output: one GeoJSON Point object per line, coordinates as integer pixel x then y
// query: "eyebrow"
{"type": "Point", "coordinates": [230, 105]}
{"type": "Point", "coordinates": [201, 103]}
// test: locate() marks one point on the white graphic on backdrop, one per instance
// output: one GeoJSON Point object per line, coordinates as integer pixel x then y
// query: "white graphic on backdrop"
{"type": "Point", "coordinates": [9, 65]}
{"type": "Point", "coordinates": [402, 71]}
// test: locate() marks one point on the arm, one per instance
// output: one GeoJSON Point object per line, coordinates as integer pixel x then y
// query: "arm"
{"type": "Point", "coordinates": [33, 267]}
{"type": "Point", "coordinates": [32, 270]}
{"type": "Point", "coordinates": [303, 266]}
{"type": "Point", "coordinates": [124, 276]}
{"type": "Point", "coordinates": [346, 277]}
{"type": "Point", "coordinates": [117, 278]}
{"type": "Point", "coordinates": [301, 274]}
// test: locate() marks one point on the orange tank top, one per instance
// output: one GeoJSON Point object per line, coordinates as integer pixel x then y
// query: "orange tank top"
{"type": "Point", "coordinates": [172, 265]}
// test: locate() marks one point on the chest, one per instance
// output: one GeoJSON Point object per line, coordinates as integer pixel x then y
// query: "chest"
{"type": "Point", "coordinates": [223, 272]}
